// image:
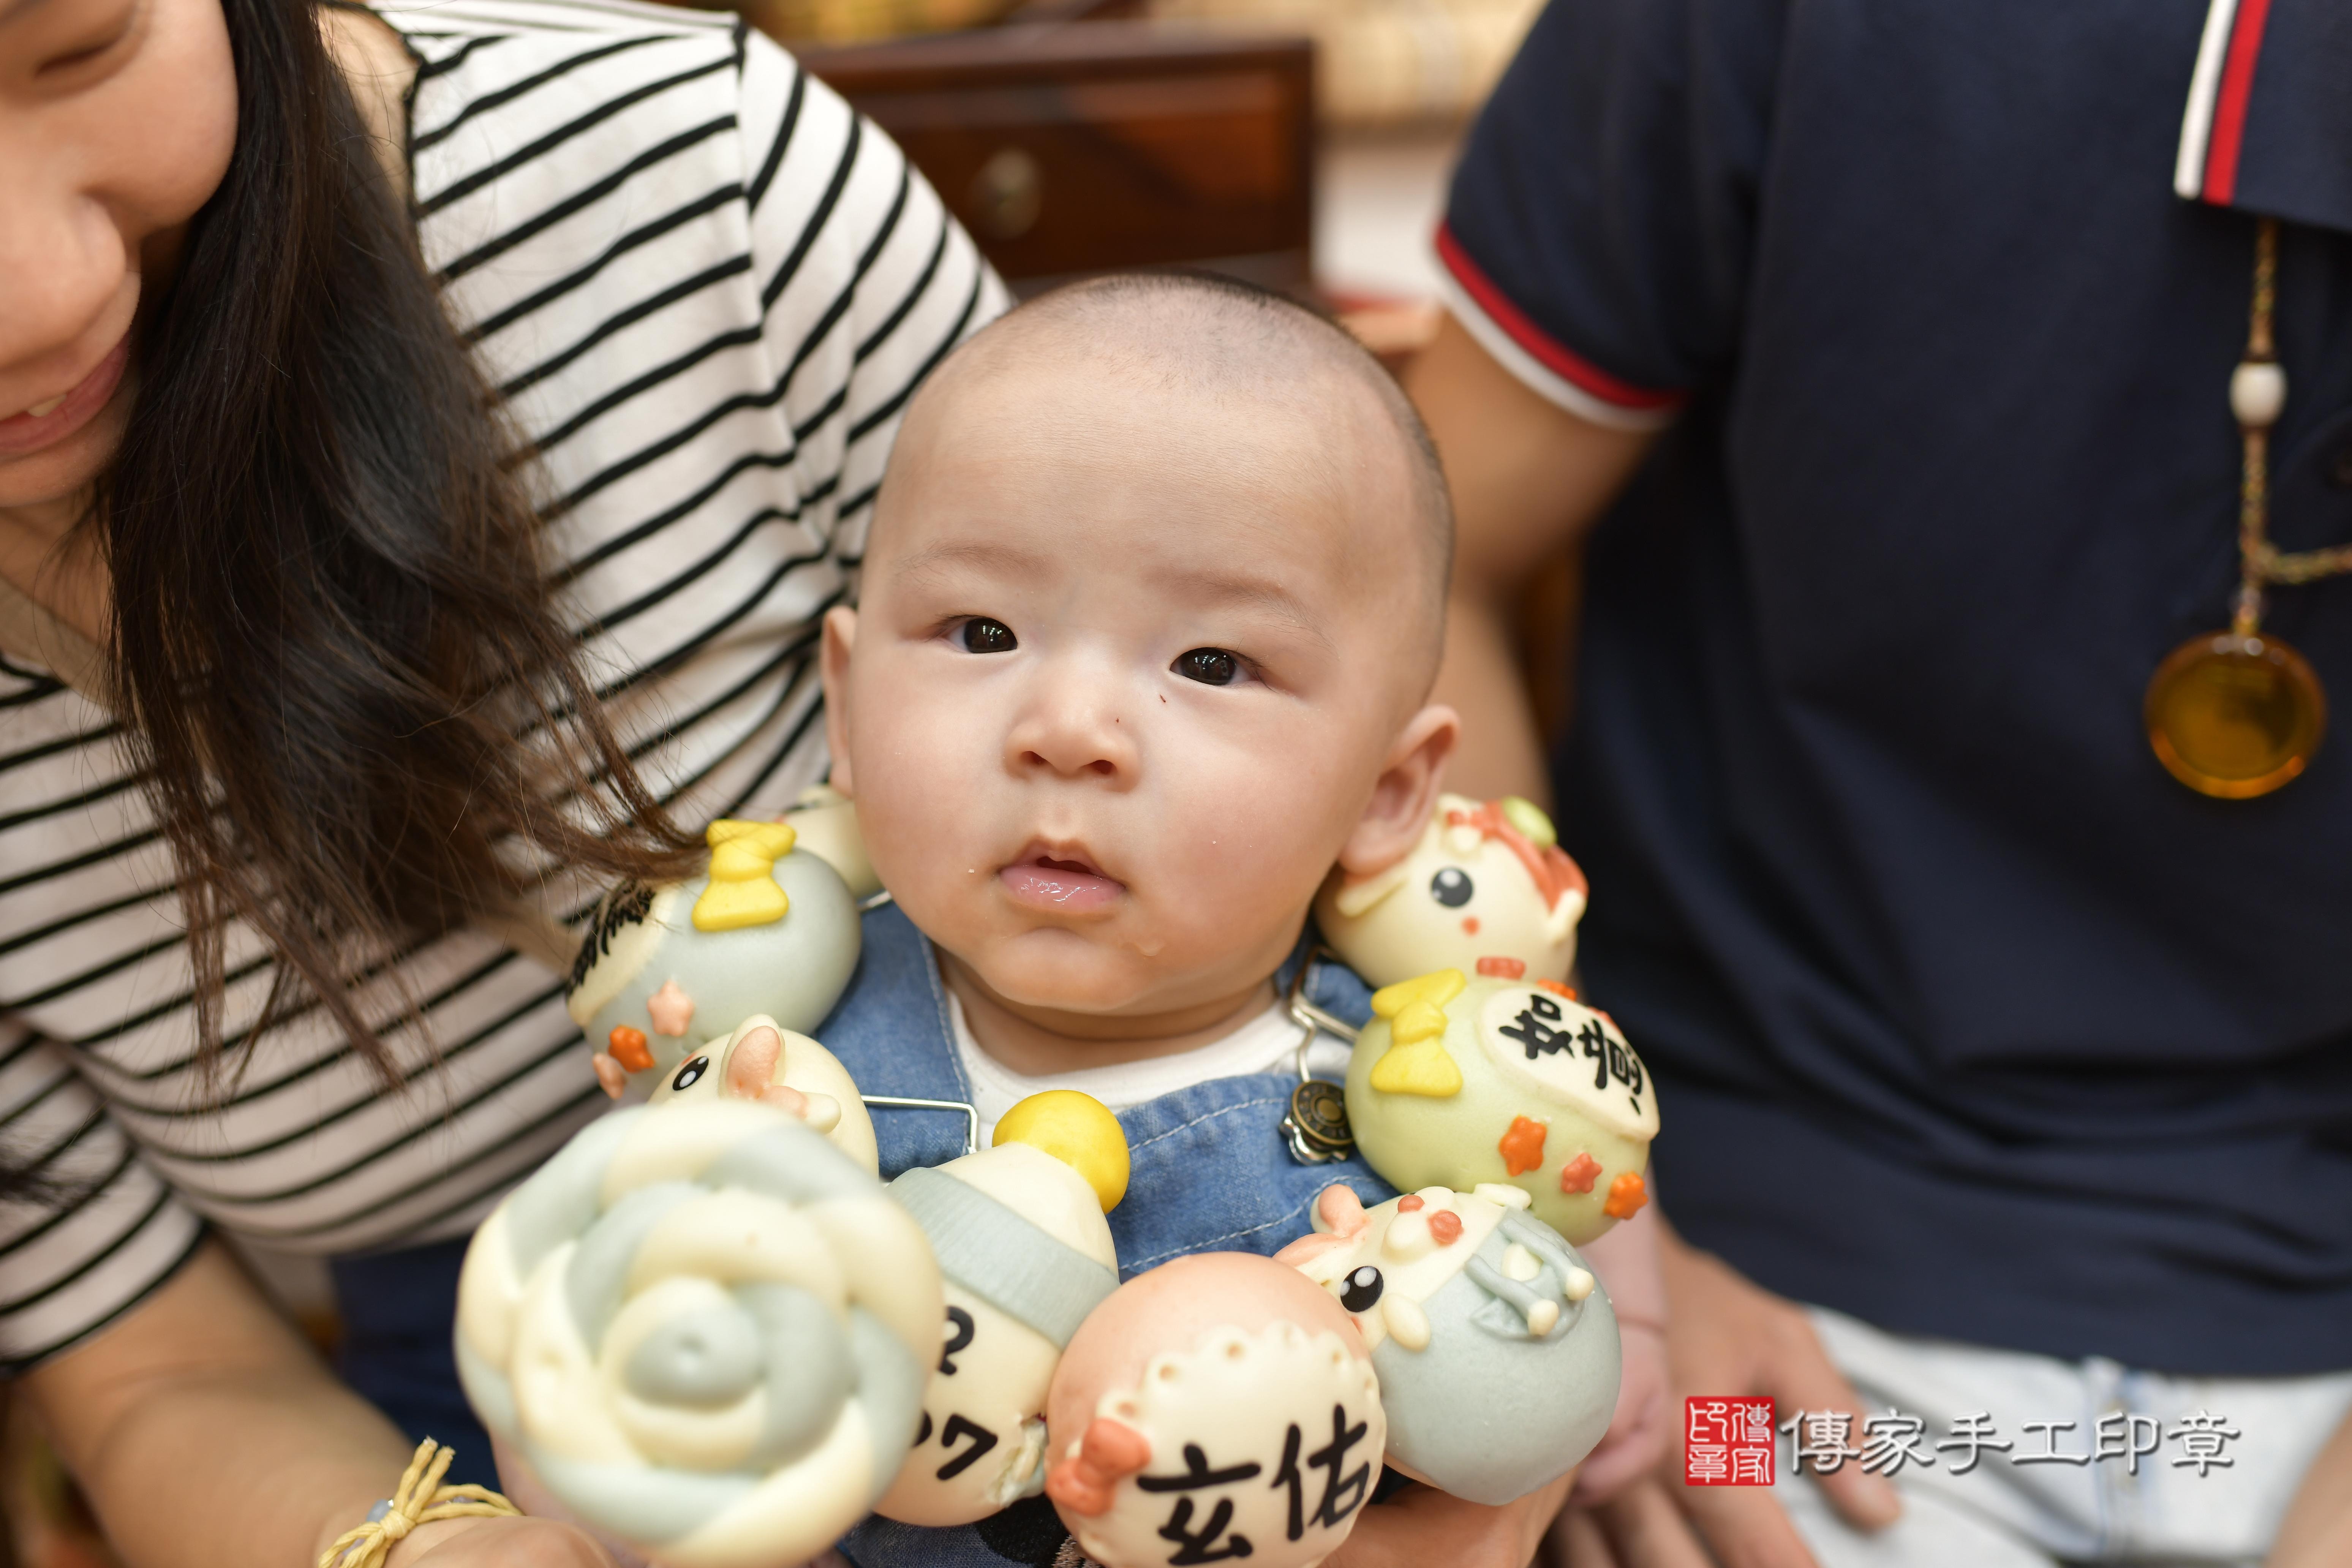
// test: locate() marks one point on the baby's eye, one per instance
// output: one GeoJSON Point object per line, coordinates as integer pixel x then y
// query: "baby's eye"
{"type": "Point", "coordinates": [1452, 887]}
{"type": "Point", "coordinates": [981, 635]}
{"type": "Point", "coordinates": [1209, 666]}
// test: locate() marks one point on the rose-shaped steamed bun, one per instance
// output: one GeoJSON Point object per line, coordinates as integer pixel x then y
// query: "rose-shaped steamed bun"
{"type": "Point", "coordinates": [702, 1328]}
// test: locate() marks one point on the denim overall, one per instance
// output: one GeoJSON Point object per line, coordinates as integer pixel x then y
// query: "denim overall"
{"type": "Point", "coordinates": [1209, 1171]}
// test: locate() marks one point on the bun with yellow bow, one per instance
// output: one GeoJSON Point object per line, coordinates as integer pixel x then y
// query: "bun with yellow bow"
{"type": "Point", "coordinates": [1481, 1065]}
{"type": "Point", "coordinates": [1460, 1081]}
{"type": "Point", "coordinates": [703, 1330]}
{"type": "Point", "coordinates": [770, 930]}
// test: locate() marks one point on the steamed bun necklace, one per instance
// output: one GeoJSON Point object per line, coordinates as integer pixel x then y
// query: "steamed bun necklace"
{"type": "Point", "coordinates": [2239, 713]}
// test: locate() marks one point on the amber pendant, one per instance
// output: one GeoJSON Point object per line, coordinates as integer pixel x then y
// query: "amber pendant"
{"type": "Point", "coordinates": [2235, 716]}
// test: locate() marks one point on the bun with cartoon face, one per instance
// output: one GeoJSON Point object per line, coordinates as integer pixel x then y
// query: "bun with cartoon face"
{"type": "Point", "coordinates": [1218, 1406]}
{"type": "Point", "coordinates": [1025, 1254]}
{"type": "Point", "coordinates": [1487, 890]}
{"type": "Point", "coordinates": [1460, 1081]}
{"type": "Point", "coordinates": [701, 1330]}
{"type": "Point", "coordinates": [1496, 1349]}
{"type": "Point", "coordinates": [769, 930]}
{"type": "Point", "coordinates": [766, 1062]}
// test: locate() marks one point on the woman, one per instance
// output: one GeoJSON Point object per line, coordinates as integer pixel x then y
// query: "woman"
{"type": "Point", "coordinates": [319, 707]}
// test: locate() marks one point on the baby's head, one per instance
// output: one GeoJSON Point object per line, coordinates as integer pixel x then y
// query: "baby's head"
{"type": "Point", "coordinates": [1149, 612]}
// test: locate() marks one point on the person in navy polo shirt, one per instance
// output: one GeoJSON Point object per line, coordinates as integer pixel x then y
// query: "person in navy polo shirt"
{"type": "Point", "coordinates": [1881, 356]}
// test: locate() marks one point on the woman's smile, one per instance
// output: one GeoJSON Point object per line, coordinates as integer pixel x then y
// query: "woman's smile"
{"type": "Point", "coordinates": [58, 416]}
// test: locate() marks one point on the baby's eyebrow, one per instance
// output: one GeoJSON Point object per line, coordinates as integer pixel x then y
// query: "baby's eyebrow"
{"type": "Point", "coordinates": [1246, 591]}
{"type": "Point", "coordinates": [986, 555]}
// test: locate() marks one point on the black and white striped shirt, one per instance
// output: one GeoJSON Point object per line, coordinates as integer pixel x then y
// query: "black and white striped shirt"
{"type": "Point", "coordinates": [707, 289]}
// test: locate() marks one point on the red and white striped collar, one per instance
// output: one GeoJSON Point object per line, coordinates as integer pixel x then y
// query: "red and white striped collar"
{"type": "Point", "coordinates": [2212, 129]}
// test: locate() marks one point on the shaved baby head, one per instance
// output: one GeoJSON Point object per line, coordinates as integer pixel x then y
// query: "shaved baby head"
{"type": "Point", "coordinates": [1143, 647]}
{"type": "Point", "coordinates": [1221, 343]}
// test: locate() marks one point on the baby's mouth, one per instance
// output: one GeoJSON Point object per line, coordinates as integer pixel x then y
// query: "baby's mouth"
{"type": "Point", "coordinates": [1067, 881]}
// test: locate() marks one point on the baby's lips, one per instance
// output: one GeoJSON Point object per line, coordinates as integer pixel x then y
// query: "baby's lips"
{"type": "Point", "coordinates": [1056, 888]}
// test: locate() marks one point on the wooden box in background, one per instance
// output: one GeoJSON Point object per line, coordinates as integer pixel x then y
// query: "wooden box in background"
{"type": "Point", "coordinates": [1078, 147]}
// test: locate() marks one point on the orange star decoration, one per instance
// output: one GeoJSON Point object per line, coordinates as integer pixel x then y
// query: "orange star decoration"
{"type": "Point", "coordinates": [1577, 1176]}
{"type": "Point", "coordinates": [1627, 1197]}
{"type": "Point", "coordinates": [628, 1048]}
{"type": "Point", "coordinates": [1522, 1146]}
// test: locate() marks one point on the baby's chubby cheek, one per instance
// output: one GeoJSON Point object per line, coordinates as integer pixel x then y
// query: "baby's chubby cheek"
{"type": "Point", "coordinates": [1219, 838]}
{"type": "Point", "coordinates": [921, 770]}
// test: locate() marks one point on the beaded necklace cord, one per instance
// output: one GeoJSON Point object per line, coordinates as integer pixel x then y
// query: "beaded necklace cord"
{"type": "Point", "coordinates": [2240, 713]}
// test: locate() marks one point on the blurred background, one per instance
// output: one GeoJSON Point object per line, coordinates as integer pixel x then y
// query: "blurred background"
{"type": "Point", "coordinates": [1302, 144]}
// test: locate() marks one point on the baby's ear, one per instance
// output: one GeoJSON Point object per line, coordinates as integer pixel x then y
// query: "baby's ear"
{"type": "Point", "coordinates": [840, 636]}
{"type": "Point", "coordinates": [1399, 811]}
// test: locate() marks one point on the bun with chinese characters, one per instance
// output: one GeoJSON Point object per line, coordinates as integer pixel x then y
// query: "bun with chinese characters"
{"type": "Point", "coordinates": [1025, 1254]}
{"type": "Point", "coordinates": [1460, 1081]}
{"type": "Point", "coordinates": [1218, 1406]}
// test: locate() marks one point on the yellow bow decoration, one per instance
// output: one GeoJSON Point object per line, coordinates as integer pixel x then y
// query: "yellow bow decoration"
{"type": "Point", "coordinates": [743, 889]}
{"type": "Point", "coordinates": [1415, 1062]}
{"type": "Point", "coordinates": [421, 1499]}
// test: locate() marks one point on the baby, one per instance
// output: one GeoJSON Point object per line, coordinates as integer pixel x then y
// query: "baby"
{"type": "Point", "coordinates": [1150, 614]}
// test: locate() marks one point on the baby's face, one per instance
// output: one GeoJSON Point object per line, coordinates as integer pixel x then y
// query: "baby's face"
{"type": "Point", "coordinates": [1133, 664]}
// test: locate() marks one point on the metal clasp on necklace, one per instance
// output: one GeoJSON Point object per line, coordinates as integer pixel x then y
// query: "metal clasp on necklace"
{"type": "Point", "coordinates": [1316, 1127]}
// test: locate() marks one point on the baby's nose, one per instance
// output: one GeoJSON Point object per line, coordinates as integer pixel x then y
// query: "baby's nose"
{"type": "Point", "coordinates": [1075, 733]}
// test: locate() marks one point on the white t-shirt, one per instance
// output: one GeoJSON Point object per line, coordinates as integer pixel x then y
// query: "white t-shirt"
{"type": "Point", "coordinates": [1266, 1042]}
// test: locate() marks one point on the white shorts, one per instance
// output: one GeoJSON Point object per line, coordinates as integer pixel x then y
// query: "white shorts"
{"type": "Point", "coordinates": [2143, 1496]}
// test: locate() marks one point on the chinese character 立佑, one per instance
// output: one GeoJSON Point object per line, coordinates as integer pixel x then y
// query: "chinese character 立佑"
{"type": "Point", "coordinates": [1975, 1433]}
{"type": "Point", "coordinates": [1200, 1545]}
{"type": "Point", "coordinates": [1331, 1459]}
{"type": "Point", "coordinates": [2050, 1454]}
{"type": "Point", "coordinates": [2200, 1437]}
{"type": "Point", "coordinates": [2119, 1435]}
{"type": "Point", "coordinates": [1824, 1438]}
{"type": "Point", "coordinates": [1891, 1442]}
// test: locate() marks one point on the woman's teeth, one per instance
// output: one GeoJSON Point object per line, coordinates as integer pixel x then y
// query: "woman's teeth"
{"type": "Point", "coordinates": [42, 410]}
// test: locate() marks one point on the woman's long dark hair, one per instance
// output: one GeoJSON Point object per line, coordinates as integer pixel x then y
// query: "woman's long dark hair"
{"type": "Point", "coordinates": [335, 645]}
